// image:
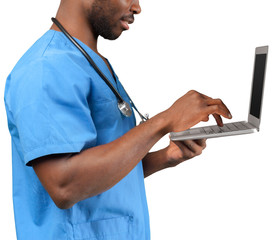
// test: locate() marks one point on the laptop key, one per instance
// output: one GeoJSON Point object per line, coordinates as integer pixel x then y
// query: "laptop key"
{"type": "Point", "coordinates": [240, 126]}
{"type": "Point", "coordinates": [216, 129]}
{"type": "Point", "coordinates": [248, 125]}
{"type": "Point", "coordinates": [231, 127]}
{"type": "Point", "coordinates": [225, 128]}
{"type": "Point", "coordinates": [208, 130]}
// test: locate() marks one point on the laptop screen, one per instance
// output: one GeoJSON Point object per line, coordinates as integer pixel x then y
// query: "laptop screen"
{"type": "Point", "coordinates": [258, 82]}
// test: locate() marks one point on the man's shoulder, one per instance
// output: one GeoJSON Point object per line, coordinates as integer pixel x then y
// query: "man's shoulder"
{"type": "Point", "coordinates": [50, 49]}
{"type": "Point", "coordinates": [47, 66]}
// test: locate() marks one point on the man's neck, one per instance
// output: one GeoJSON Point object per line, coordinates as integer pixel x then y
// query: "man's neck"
{"type": "Point", "coordinates": [76, 26]}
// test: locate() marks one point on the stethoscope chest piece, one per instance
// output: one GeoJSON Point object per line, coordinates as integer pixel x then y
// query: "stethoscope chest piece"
{"type": "Point", "coordinates": [125, 108]}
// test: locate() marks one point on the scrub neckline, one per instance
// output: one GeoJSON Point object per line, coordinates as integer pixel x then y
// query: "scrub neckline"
{"type": "Point", "coordinates": [101, 62]}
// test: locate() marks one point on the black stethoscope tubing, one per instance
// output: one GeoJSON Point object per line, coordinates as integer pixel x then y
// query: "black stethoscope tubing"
{"type": "Point", "coordinates": [89, 59]}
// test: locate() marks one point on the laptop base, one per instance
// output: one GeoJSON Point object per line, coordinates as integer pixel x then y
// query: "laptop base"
{"type": "Point", "coordinates": [229, 129]}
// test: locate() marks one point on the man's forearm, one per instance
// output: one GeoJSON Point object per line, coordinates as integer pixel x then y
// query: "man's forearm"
{"type": "Point", "coordinates": [154, 162]}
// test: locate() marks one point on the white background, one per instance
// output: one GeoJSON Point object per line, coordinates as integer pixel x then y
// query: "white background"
{"type": "Point", "coordinates": [175, 46]}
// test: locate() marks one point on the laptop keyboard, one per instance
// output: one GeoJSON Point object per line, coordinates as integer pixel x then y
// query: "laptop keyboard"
{"type": "Point", "coordinates": [228, 127]}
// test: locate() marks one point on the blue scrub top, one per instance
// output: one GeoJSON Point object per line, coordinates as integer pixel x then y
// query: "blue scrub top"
{"type": "Point", "coordinates": [56, 103]}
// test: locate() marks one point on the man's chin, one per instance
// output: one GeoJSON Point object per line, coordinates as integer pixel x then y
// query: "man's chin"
{"type": "Point", "coordinates": [111, 36]}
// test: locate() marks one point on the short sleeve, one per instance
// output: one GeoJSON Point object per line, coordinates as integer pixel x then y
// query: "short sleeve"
{"type": "Point", "coordinates": [51, 109]}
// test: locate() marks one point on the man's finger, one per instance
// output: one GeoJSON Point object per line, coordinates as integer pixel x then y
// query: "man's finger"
{"type": "Point", "coordinates": [218, 103]}
{"type": "Point", "coordinates": [193, 146]}
{"type": "Point", "coordinates": [218, 119]}
{"type": "Point", "coordinates": [201, 142]}
{"type": "Point", "coordinates": [219, 110]}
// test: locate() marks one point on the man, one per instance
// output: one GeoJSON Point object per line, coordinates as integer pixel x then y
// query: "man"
{"type": "Point", "coordinates": [78, 163]}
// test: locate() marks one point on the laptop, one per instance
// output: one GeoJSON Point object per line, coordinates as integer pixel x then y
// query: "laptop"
{"type": "Point", "coordinates": [252, 125]}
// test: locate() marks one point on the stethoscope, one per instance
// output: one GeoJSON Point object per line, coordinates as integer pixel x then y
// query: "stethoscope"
{"type": "Point", "coordinates": [123, 106]}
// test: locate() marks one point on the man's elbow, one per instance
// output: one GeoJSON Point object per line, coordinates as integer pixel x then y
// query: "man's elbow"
{"type": "Point", "coordinates": [62, 199]}
{"type": "Point", "coordinates": [55, 175]}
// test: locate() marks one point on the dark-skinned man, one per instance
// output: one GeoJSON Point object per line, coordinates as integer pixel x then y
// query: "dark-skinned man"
{"type": "Point", "coordinates": [79, 163]}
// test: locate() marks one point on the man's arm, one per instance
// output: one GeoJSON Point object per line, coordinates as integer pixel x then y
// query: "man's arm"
{"type": "Point", "coordinates": [71, 178]}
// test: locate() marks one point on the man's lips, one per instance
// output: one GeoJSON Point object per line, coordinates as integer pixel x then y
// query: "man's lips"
{"type": "Point", "coordinates": [125, 21]}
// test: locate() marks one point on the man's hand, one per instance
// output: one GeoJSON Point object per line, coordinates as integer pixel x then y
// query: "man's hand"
{"type": "Point", "coordinates": [193, 108]}
{"type": "Point", "coordinates": [176, 153]}
{"type": "Point", "coordinates": [180, 151]}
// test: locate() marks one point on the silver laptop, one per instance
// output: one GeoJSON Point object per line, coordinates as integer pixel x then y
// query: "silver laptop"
{"type": "Point", "coordinates": [254, 117]}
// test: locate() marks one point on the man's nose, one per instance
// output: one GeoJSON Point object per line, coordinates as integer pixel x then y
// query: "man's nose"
{"type": "Point", "coordinates": [135, 7]}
